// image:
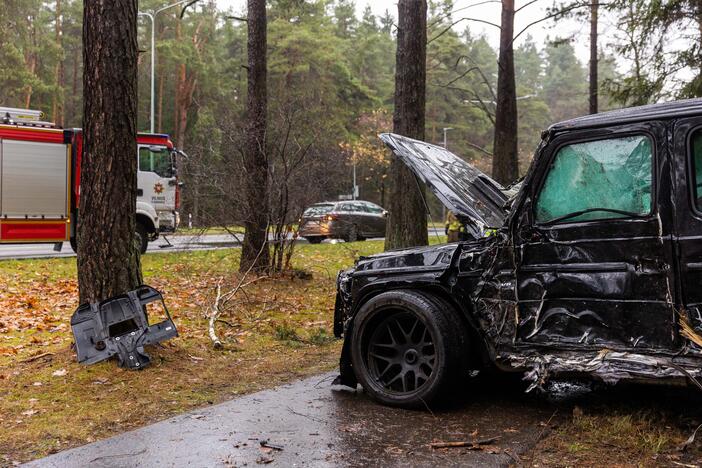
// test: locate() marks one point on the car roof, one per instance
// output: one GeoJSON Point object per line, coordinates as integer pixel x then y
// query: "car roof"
{"type": "Point", "coordinates": [664, 110]}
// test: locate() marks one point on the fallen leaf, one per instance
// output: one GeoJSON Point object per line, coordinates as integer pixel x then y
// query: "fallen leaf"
{"type": "Point", "coordinates": [30, 412]}
{"type": "Point", "coordinates": [59, 373]}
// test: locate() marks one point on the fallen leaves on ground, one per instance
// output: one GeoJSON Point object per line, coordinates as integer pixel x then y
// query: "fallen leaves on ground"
{"type": "Point", "coordinates": [73, 404]}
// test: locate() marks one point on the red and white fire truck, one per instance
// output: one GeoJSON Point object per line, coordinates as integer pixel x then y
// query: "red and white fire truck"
{"type": "Point", "coordinates": [40, 181]}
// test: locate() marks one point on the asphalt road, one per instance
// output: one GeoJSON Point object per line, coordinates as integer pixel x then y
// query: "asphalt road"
{"type": "Point", "coordinates": [306, 423]}
{"type": "Point", "coordinates": [161, 245]}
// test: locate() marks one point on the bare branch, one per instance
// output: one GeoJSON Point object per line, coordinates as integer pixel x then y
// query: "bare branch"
{"type": "Point", "coordinates": [554, 15]}
{"type": "Point", "coordinates": [182, 12]}
{"type": "Point", "coordinates": [525, 5]}
{"type": "Point", "coordinates": [478, 147]}
{"type": "Point", "coordinates": [439, 18]}
{"type": "Point", "coordinates": [448, 28]}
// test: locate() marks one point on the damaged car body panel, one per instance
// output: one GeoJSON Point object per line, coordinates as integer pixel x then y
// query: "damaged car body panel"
{"type": "Point", "coordinates": [596, 268]}
{"type": "Point", "coordinates": [120, 327]}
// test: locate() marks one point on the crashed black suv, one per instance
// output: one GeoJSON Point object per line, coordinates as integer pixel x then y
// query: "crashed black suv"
{"type": "Point", "coordinates": [593, 266]}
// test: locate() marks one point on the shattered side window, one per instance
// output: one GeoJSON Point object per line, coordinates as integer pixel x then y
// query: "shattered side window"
{"type": "Point", "coordinates": [598, 180]}
{"type": "Point", "coordinates": [697, 162]}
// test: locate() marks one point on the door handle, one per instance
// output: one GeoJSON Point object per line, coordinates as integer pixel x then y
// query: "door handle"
{"type": "Point", "coordinates": [140, 192]}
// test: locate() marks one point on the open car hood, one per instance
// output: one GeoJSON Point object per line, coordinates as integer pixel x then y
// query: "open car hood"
{"type": "Point", "coordinates": [476, 199]}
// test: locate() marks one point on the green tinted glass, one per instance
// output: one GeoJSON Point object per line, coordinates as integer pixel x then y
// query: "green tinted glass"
{"type": "Point", "coordinates": [613, 174]}
{"type": "Point", "coordinates": [697, 154]}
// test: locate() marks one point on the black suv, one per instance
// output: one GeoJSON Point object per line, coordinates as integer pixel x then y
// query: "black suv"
{"type": "Point", "coordinates": [593, 267]}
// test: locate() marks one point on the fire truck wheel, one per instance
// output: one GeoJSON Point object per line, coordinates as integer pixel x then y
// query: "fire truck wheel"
{"type": "Point", "coordinates": [74, 244]}
{"type": "Point", "coordinates": [142, 238]}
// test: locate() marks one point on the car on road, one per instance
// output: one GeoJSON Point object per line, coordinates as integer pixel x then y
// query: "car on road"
{"type": "Point", "coordinates": [351, 220]}
{"type": "Point", "coordinates": [593, 268]}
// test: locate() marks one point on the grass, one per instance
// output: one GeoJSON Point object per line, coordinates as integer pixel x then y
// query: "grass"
{"type": "Point", "coordinates": [636, 426]}
{"type": "Point", "coordinates": [278, 331]}
{"type": "Point", "coordinates": [183, 230]}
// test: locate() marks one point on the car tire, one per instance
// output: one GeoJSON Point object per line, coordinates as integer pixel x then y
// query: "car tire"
{"type": "Point", "coordinates": [407, 347]}
{"type": "Point", "coordinates": [352, 234]}
{"type": "Point", "coordinates": [314, 239]}
{"type": "Point", "coordinates": [142, 238]}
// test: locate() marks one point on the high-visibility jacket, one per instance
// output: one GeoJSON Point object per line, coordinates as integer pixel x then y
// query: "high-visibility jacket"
{"type": "Point", "coordinates": [453, 224]}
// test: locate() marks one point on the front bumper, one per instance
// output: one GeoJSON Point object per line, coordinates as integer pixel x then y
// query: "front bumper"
{"type": "Point", "coordinates": [342, 305]}
{"type": "Point", "coordinates": [168, 221]}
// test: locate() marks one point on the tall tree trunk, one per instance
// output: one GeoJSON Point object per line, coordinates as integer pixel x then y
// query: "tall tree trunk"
{"type": "Point", "coordinates": [181, 121]}
{"type": "Point", "coordinates": [407, 220]}
{"type": "Point", "coordinates": [108, 257]}
{"type": "Point", "coordinates": [73, 101]}
{"type": "Point", "coordinates": [31, 60]}
{"type": "Point", "coordinates": [161, 77]}
{"type": "Point", "coordinates": [593, 57]}
{"type": "Point", "coordinates": [57, 107]}
{"type": "Point", "coordinates": [505, 164]}
{"type": "Point", "coordinates": [254, 252]}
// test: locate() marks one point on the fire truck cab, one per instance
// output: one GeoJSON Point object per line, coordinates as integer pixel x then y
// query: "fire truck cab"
{"type": "Point", "coordinates": [40, 181]}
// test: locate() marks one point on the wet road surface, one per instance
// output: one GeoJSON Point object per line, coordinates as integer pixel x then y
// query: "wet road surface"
{"type": "Point", "coordinates": [315, 426]}
{"type": "Point", "coordinates": [170, 243]}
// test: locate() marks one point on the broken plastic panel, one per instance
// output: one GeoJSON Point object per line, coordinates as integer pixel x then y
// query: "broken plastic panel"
{"type": "Point", "coordinates": [613, 174]}
{"type": "Point", "coordinates": [120, 326]}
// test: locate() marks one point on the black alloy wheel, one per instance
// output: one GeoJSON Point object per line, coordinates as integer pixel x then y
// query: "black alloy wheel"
{"type": "Point", "coordinates": [407, 347]}
{"type": "Point", "coordinates": [400, 353]}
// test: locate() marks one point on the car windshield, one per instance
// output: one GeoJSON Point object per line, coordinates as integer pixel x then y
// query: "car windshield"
{"type": "Point", "coordinates": [318, 210]}
{"type": "Point", "coordinates": [156, 159]}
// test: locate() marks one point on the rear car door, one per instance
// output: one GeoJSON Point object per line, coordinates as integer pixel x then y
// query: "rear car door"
{"type": "Point", "coordinates": [593, 261]}
{"type": "Point", "coordinates": [376, 219]}
{"type": "Point", "coordinates": [687, 164]}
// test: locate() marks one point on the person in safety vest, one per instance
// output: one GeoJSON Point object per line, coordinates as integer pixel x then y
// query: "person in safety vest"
{"type": "Point", "coordinates": [454, 229]}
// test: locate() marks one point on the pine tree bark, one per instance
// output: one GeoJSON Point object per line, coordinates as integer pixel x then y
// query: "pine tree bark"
{"type": "Point", "coordinates": [57, 106]}
{"type": "Point", "coordinates": [254, 252]}
{"type": "Point", "coordinates": [407, 221]}
{"type": "Point", "coordinates": [593, 57]}
{"type": "Point", "coordinates": [505, 164]}
{"type": "Point", "coordinates": [108, 257]}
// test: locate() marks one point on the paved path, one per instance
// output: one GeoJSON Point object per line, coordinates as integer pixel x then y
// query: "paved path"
{"type": "Point", "coordinates": [315, 426]}
{"type": "Point", "coordinates": [161, 245]}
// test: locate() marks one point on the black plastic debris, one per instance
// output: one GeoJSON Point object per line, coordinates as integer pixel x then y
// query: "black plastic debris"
{"type": "Point", "coordinates": [120, 326]}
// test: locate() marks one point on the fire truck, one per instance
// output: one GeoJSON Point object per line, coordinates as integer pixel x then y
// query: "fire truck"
{"type": "Point", "coordinates": [40, 181]}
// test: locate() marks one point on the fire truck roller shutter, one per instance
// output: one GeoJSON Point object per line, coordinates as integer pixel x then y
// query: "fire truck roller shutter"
{"type": "Point", "coordinates": [34, 178]}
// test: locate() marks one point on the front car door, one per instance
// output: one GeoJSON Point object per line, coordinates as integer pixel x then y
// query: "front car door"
{"type": "Point", "coordinates": [594, 249]}
{"type": "Point", "coordinates": [156, 178]}
{"type": "Point", "coordinates": [687, 162]}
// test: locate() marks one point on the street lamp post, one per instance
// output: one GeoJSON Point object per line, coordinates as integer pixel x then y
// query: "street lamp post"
{"type": "Point", "coordinates": [353, 195]}
{"type": "Point", "coordinates": [152, 18]}
{"type": "Point", "coordinates": [446, 129]}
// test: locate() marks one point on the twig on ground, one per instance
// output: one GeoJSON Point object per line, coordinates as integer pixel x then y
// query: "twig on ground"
{"type": "Point", "coordinates": [471, 445]}
{"type": "Point", "coordinates": [38, 356]}
{"type": "Point", "coordinates": [214, 316]}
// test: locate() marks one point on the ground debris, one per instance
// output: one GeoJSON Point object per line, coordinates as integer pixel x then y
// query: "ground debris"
{"type": "Point", "coordinates": [470, 445]}
{"type": "Point", "coordinates": [265, 444]}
